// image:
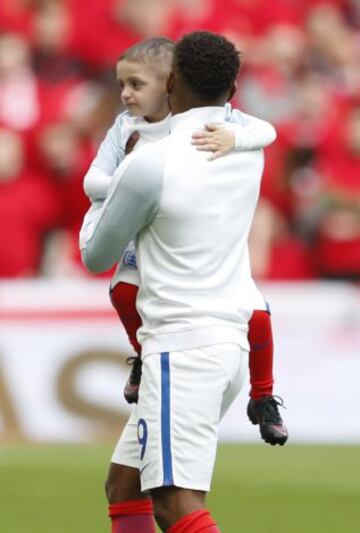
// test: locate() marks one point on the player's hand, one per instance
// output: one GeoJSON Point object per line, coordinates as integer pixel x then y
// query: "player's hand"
{"type": "Point", "coordinates": [216, 139]}
{"type": "Point", "coordinates": [132, 140]}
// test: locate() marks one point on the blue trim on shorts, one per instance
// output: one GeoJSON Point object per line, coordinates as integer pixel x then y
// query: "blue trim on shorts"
{"type": "Point", "coordinates": [165, 420]}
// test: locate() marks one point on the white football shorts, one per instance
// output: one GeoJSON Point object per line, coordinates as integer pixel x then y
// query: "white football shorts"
{"type": "Point", "coordinates": [172, 434]}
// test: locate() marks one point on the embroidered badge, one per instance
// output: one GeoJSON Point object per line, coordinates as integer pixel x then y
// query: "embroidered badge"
{"type": "Point", "coordinates": [129, 260]}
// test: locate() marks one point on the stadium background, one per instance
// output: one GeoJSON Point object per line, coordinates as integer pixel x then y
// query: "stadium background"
{"type": "Point", "coordinates": [61, 351]}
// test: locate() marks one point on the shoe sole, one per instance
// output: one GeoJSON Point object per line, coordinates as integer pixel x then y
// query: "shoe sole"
{"type": "Point", "coordinates": [280, 441]}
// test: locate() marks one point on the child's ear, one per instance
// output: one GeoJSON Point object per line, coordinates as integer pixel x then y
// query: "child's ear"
{"type": "Point", "coordinates": [170, 83]}
{"type": "Point", "coordinates": [232, 90]}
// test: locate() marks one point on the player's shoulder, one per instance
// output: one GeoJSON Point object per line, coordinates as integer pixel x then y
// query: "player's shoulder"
{"type": "Point", "coordinates": [153, 155]}
{"type": "Point", "coordinates": [235, 115]}
{"type": "Point", "coordinates": [155, 149]}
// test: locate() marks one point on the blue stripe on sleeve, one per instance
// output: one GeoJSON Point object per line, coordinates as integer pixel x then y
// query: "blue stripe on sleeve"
{"type": "Point", "coordinates": [165, 420]}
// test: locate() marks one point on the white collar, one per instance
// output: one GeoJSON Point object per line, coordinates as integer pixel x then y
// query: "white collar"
{"type": "Point", "coordinates": [197, 117]}
{"type": "Point", "coordinates": [141, 125]}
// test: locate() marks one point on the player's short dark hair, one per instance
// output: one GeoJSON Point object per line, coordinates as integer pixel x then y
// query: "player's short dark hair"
{"type": "Point", "coordinates": [157, 50]}
{"type": "Point", "coordinates": [208, 63]}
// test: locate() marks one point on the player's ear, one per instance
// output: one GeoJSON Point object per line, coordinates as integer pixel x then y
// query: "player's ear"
{"type": "Point", "coordinates": [170, 83]}
{"type": "Point", "coordinates": [232, 90]}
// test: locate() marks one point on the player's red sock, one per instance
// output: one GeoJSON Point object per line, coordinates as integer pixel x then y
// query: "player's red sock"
{"type": "Point", "coordinates": [196, 522]}
{"type": "Point", "coordinates": [132, 517]}
{"type": "Point", "coordinates": [123, 298]}
{"type": "Point", "coordinates": [261, 355]}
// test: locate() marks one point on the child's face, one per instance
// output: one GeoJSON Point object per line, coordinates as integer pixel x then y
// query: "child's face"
{"type": "Point", "coordinates": [143, 90]}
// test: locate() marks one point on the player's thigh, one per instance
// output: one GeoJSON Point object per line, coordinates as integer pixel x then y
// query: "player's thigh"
{"type": "Point", "coordinates": [238, 368]}
{"type": "Point", "coordinates": [127, 448]}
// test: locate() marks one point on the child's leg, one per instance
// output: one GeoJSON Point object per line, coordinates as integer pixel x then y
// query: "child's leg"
{"type": "Point", "coordinates": [263, 406]}
{"type": "Point", "coordinates": [261, 355]}
{"type": "Point", "coordinates": [123, 298]}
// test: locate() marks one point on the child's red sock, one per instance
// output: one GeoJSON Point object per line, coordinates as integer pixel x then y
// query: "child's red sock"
{"type": "Point", "coordinates": [123, 298]}
{"type": "Point", "coordinates": [132, 517]}
{"type": "Point", "coordinates": [196, 522]}
{"type": "Point", "coordinates": [261, 355]}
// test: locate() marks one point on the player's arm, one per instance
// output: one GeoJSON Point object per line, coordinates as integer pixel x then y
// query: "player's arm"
{"type": "Point", "coordinates": [131, 204]}
{"type": "Point", "coordinates": [242, 133]}
{"type": "Point", "coordinates": [98, 178]}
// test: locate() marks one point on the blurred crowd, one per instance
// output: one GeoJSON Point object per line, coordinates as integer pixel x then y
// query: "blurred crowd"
{"type": "Point", "coordinates": [58, 97]}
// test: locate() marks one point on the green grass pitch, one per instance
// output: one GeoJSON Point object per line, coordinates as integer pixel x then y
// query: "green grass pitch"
{"type": "Point", "coordinates": [256, 489]}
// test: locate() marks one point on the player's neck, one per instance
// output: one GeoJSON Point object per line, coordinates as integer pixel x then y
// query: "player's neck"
{"type": "Point", "coordinates": [190, 102]}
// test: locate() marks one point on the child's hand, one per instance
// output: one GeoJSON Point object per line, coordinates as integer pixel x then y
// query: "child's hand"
{"type": "Point", "coordinates": [217, 139]}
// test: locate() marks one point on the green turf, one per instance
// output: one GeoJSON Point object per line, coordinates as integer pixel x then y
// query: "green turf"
{"type": "Point", "coordinates": [295, 489]}
{"type": "Point", "coordinates": [256, 489]}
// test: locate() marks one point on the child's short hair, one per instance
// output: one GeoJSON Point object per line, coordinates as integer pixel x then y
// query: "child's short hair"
{"type": "Point", "coordinates": [157, 50]}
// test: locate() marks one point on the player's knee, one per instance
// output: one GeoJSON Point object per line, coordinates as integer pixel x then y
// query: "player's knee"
{"type": "Point", "coordinates": [108, 490]}
{"type": "Point", "coordinates": [112, 489]}
{"type": "Point", "coordinates": [163, 514]}
{"type": "Point", "coordinates": [122, 484]}
{"type": "Point", "coordinates": [164, 506]}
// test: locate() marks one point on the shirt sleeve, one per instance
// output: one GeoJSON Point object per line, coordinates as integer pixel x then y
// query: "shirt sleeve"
{"type": "Point", "coordinates": [98, 178]}
{"type": "Point", "coordinates": [251, 133]}
{"type": "Point", "coordinates": [132, 202]}
{"type": "Point", "coordinates": [90, 219]}
{"type": "Point", "coordinates": [96, 184]}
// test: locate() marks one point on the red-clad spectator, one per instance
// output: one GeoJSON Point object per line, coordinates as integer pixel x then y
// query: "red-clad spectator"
{"type": "Point", "coordinates": [191, 15]}
{"type": "Point", "coordinates": [57, 70]}
{"type": "Point", "coordinates": [19, 94]}
{"type": "Point", "coordinates": [267, 87]}
{"type": "Point", "coordinates": [28, 210]}
{"type": "Point", "coordinates": [290, 260]}
{"type": "Point", "coordinates": [254, 16]}
{"type": "Point", "coordinates": [264, 14]}
{"type": "Point", "coordinates": [52, 30]}
{"type": "Point", "coordinates": [316, 115]}
{"type": "Point", "coordinates": [276, 252]}
{"type": "Point", "coordinates": [333, 49]}
{"type": "Point", "coordinates": [64, 159]}
{"type": "Point", "coordinates": [274, 186]}
{"type": "Point", "coordinates": [293, 183]}
{"type": "Point", "coordinates": [337, 236]}
{"type": "Point", "coordinates": [92, 108]}
{"type": "Point", "coordinates": [301, 71]}
{"type": "Point", "coordinates": [101, 31]}
{"type": "Point", "coordinates": [352, 10]}
{"type": "Point", "coordinates": [15, 16]}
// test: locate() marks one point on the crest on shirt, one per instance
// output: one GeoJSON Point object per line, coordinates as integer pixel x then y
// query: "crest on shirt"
{"type": "Point", "coordinates": [129, 260]}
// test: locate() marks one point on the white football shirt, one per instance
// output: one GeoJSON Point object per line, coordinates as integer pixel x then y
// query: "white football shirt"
{"type": "Point", "coordinates": [191, 218]}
